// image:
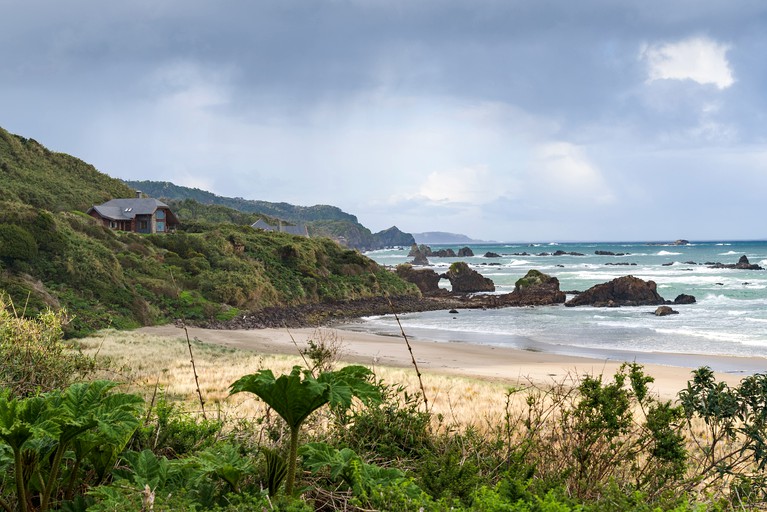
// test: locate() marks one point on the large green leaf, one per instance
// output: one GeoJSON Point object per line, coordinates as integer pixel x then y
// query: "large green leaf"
{"type": "Point", "coordinates": [292, 397]}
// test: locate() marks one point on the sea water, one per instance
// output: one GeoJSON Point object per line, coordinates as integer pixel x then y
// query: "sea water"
{"type": "Point", "coordinates": [728, 319]}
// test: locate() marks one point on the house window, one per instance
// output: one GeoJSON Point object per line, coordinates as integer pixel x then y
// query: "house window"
{"type": "Point", "coordinates": [142, 224]}
{"type": "Point", "coordinates": [112, 224]}
{"type": "Point", "coordinates": [160, 214]}
{"type": "Point", "coordinates": [160, 225]}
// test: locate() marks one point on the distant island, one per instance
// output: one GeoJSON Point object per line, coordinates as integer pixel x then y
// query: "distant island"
{"type": "Point", "coordinates": [441, 237]}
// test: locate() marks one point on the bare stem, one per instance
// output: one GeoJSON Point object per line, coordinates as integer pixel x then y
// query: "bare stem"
{"type": "Point", "coordinates": [412, 357]}
{"type": "Point", "coordinates": [194, 370]}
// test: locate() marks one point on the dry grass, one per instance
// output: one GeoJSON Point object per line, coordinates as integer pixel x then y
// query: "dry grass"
{"type": "Point", "coordinates": [144, 362]}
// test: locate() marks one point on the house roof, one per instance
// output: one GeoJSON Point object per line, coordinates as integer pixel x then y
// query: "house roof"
{"type": "Point", "coordinates": [298, 229]}
{"type": "Point", "coordinates": [127, 209]}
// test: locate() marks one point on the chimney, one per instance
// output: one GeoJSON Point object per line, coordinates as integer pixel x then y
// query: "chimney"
{"type": "Point", "coordinates": [138, 194]}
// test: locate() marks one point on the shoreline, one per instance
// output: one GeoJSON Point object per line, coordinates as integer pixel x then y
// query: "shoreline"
{"type": "Point", "coordinates": [473, 361]}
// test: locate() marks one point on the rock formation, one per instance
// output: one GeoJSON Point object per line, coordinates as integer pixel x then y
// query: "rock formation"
{"type": "Point", "coordinates": [665, 310]}
{"type": "Point", "coordinates": [684, 299]}
{"type": "Point", "coordinates": [742, 264]}
{"type": "Point", "coordinates": [466, 280]}
{"type": "Point", "coordinates": [489, 254]}
{"type": "Point", "coordinates": [425, 278]}
{"type": "Point", "coordinates": [537, 288]}
{"type": "Point", "coordinates": [623, 291]}
{"type": "Point", "coordinates": [465, 252]}
{"type": "Point", "coordinates": [418, 255]}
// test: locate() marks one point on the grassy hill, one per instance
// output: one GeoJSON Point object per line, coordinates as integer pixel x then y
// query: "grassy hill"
{"type": "Point", "coordinates": [52, 254]}
{"type": "Point", "coordinates": [33, 175]}
{"type": "Point", "coordinates": [322, 220]}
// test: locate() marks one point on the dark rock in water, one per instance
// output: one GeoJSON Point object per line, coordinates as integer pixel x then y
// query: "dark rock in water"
{"type": "Point", "coordinates": [415, 249]}
{"type": "Point", "coordinates": [563, 253]}
{"type": "Point", "coordinates": [537, 288]}
{"type": "Point", "coordinates": [610, 253]}
{"type": "Point", "coordinates": [690, 263]}
{"type": "Point", "coordinates": [667, 264]}
{"type": "Point", "coordinates": [425, 278]}
{"type": "Point", "coordinates": [465, 252]}
{"type": "Point", "coordinates": [492, 255]}
{"type": "Point", "coordinates": [560, 265]}
{"type": "Point", "coordinates": [466, 280]}
{"type": "Point", "coordinates": [623, 291]}
{"type": "Point", "coordinates": [444, 253]}
{"type": "Point", "coordinates": [420, 259]}
{"type": "Point", "coordinates": [620, 263]}
{"type": "Point", "coordinates": [684, 299]}
{"type": "Point", "coordinates": [665, 310]}
{"type": "Point", "coordinates": [682, 242]}
{"type": "Point", "coordinates": [742, 264]}
{"type": "Point", "coordinates": [453, 311]}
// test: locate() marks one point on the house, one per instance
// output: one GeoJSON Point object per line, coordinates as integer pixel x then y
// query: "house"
{"type": "Point", "coordinates": [140, 215]}
{"type": "Point", "coordinates": [282, 227]}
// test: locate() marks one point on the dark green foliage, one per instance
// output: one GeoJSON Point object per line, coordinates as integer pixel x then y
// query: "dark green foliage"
{"type": "Point", "coordinates": [124, 280]}
{"type": "Point", "coordinates": [16, 243]}
{"type": "Point", "coordinates": [396, 430]}
{"type": "Point", "coordinates": [174, 433]}
{"type": "Point", "coordinates": [297, 395]}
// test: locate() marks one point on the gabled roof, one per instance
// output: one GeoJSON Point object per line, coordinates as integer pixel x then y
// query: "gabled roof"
{"type": "Point", "coordinates": [299, 229]}
{"type": "Point", "coordinates": [127, 209]}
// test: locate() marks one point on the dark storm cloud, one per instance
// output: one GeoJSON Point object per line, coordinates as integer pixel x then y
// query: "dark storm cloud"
{"type": "Point", "coordinates": [456, 106]}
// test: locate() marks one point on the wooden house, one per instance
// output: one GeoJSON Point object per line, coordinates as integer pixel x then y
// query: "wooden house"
{"type": "Point", "coordinates": [140, 215]}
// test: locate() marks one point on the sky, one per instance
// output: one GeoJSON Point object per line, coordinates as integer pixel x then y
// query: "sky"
{"type": "Point", "coordinates": [534, 120]}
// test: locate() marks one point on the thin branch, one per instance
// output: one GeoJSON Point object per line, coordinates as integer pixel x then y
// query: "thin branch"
{"type": "Point", "coordinates": [194, 370]}
{"type": "Point", "coordinates": [412, 357]}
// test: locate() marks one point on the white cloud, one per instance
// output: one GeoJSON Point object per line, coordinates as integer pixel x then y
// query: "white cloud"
{"type": "Point", "coordinates": [465, 185]}
{"type": "Point", "coordinates": [698, 59]}
{"type": "Point", "coordinates": [564, 171]}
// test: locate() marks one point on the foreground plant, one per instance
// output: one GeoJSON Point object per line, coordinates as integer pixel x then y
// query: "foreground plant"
{"type": "Point", "coordinates": [297, 395]}
{"type": "Point", "coordinates": [87, 421]}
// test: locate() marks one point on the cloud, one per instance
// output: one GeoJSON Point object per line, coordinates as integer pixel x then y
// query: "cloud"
{"type": "Point", "coordinates": [698, 59]}
{"type": "Point", "coordinates": [470, 185]}
{"type": "Point", "coordinates": [563, 171]}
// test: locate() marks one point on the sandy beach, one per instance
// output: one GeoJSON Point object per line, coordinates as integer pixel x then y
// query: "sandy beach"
{"type": "Point", "coordinates": [485, 362]}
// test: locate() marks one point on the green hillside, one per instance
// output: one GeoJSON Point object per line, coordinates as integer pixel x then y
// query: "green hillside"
{"type": "Point", "coordinates": [31, 174]}
{"type": "Point", "coordinates": [52, 254]}
{"type": "Point", "coordinates": [282, 211]}
{"type": "Point", "coordinates": [322, 220]}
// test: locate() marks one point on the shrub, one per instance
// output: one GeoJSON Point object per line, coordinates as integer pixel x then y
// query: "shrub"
{"type": "Point", "coordinates": [33, 356]}
{"type": "Point", "coordinates": [16, 243]}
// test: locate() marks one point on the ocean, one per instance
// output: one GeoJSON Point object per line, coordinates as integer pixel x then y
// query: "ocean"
{"type": "Point", "coordinates": [728, 319]}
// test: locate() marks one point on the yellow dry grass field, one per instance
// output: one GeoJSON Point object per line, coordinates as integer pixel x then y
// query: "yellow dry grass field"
{"type": "Point", "coordinates": [145, 363]}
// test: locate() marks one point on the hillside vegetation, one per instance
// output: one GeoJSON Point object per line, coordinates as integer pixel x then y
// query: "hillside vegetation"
{"type": "Point", "coordinates": [52, 254]}
{"type": "Point", "coordinates": [31, 174]}
{"type": "Point", "coordinates": [322, 220]}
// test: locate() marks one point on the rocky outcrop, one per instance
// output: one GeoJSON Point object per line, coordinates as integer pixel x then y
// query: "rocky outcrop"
{"type": "Point", "coordinates": [425, 278]}
{"type": "Point", "coordinates": [490, 254]}
{"type": "Point", "coordinates": [444, 253]}
{"type": "Point", "coordinates": [465, 252]}
{"type": "Point", "coordinates": [538, 289]}
{"type": "Point", "coordinates": [415, 249]}
{"type": "Point", "coordinates": [665, 310]}
{"type": "Point", "coordinates": [419, 254]}
{"type": "Point", "coordinates": [610, 253]}
{"type": "Point", "coordinates": [742, 264]}
{"type": "Point", "coordinates": [684, 299]}
{"type": "Point", "coordinates": [466, 280]}
{"type": "Point", "coordinates": [623, 291]}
